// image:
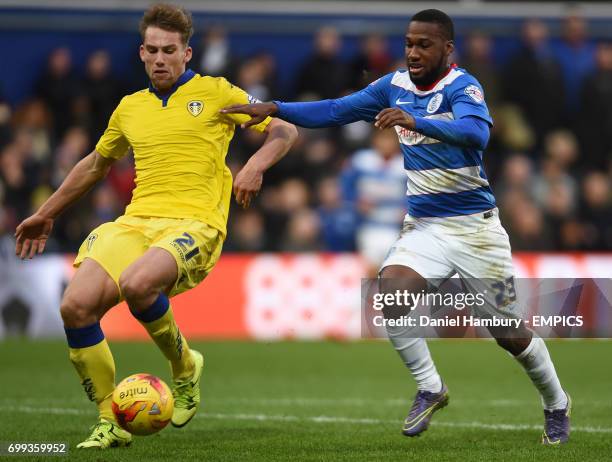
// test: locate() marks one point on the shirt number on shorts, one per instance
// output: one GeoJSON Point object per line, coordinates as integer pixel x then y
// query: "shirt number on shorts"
{"type": "Point", "coordinates": [184, 243]}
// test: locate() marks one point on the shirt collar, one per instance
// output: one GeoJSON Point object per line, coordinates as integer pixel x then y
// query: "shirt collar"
{"type": "Point", "coordinates": [183, 79]}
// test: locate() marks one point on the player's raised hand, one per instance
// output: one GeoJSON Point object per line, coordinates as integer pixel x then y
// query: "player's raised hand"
{"type": "Point", "coordinates": [391, 117]}
{"type": "Point", "coordinates": [31, 235]}
{"type": "Point", "coordinates": [257, 111]}
{"type": "Point", "coordinates": [247, 185]}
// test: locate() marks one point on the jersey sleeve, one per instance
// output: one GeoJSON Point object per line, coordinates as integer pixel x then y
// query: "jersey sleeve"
{"type": "Point", "coordinates": [113, 144]}
{"type": "Point", "coordinates": [467, 99]}
{"type": "Point", "coordinates": [367, 103]}
{"type": "Point", "coordinates": [230, 95]}
{"type": "Point", "coordinates": [362, 105]}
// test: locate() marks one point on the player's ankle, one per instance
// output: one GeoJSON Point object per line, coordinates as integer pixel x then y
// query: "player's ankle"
{"type": "Point", "coordinates": [185, 369]}
{"type": "Point", "coordinates": [105, 410]}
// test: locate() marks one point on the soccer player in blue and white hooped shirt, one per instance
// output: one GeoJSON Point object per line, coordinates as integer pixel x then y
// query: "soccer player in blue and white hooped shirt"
{"type": "Point", "coordinates": [452, 225]}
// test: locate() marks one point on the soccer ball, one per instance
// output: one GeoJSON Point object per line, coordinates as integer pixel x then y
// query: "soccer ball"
{"type": "Point", "coordinates": [142, 404]}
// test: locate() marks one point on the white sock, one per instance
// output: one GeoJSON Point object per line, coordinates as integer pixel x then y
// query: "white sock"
{"type": "Point", "coordinates": [416, 356]}
{"type": "Point", "coordinates": [540, 369]}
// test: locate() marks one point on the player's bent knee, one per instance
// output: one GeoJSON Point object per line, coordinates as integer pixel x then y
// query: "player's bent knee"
{"type": "Point", "coordinates": [75, 313]}
{"type": "Point", "coordinates": [394, 279]}
{"type": "Point", "coordinates": [136, 287]}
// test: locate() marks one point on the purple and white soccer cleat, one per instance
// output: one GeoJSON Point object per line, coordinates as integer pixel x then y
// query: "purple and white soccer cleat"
{"type": "Point", "coordinates": [424, 405]}
{"type": "Point", "coordinates": [557, 425]}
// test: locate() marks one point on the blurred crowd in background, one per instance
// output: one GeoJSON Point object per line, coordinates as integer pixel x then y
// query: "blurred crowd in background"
{"type": "Point", "coordinates": [343, 189]}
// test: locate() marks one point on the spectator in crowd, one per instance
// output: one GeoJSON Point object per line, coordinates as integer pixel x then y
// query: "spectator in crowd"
{"type": "Point", "coordinates": [106, 205]}
{"type": "Point", "coordinates": [303, 232]}
{"type": "Point", "coordinates": [214, 56]}
{"type": "Point", "coordinates": [323, 75]}
{"type": "Point", "coordinates": [559, 209]}
{"type": "Point", "coordinates": [374, 182]}
{"type": "Point", "coordinates": [256, 76]}
{"type": "Point", "coordinates": [34, 118]}
{"type": "Point", "coordinates": [477, 57]}
{"type": "Point", "coordinates": [525, 223]}
{"type": "Point", "coordinates": [5, 118]}
{"type": "Point", "coordinates": [320, 156]}
{"type": "Point", "coordinates": [547, 182]}
{"type": "Point", "coordinates": [74, 146]}
{"type": "Point", "coordinates": [279, 204]}
{"type": "Point", "coordinates": [595, 121]}
{"type": "Point", "coordinates": [59, 88]}
{"type": "Point", "coordinates": [372, 62]}
{"type": "Point", "coordinates": [101, 92]}
{"type": "Point", "coordinates": [247, 232]}
{"type": "Point", "coordinates": [517, 176]}
{"type": "Point", "coordinates": [576, 55]}
{"type": "Point", "coordinates": [19, 177]}
{"type": "Point", "coordinates": [596, 211]}
{"type": "Point", "coordinates": [338, 218]}
{"type": "Point", "coordinates": [533, 80]}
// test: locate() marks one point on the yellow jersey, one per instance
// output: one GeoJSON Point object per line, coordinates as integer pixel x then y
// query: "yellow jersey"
{"type": "Point", "coordinates": [180, 142]}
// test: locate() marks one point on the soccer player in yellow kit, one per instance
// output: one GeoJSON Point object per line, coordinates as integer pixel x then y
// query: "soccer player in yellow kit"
{"type": "Point", "coordinates": [171, 234]}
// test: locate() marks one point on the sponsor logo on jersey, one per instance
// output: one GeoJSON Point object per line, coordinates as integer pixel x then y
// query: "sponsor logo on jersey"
{"type": "Point", "coordinates": [253, 100]}
{"type": "Point", "coordinates": [434, 103]}
{"type": "Point", "coordinates": [475, 93]}
{"type": "Point", "coordinates": [195, 107]}
{"type": "Point", "coordinates": [409, 137]}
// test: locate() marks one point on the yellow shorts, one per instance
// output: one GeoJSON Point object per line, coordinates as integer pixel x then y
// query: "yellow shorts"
{"type": "Point", "coordinates": [195, 246]}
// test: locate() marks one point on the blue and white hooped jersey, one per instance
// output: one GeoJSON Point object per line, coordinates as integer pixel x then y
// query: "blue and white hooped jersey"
{"type": "Point", "coordinates": [443, 180]}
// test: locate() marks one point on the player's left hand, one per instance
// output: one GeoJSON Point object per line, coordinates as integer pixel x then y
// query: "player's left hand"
{"type": "Point", "coordinates": [247, 185]}
{"type": "Point", "coordinates": [391, 117]}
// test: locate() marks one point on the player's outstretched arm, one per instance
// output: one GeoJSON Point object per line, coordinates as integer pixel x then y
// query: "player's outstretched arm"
{"type": "Point", "coordinates": [280, 137]}
{"type": "Point", "coordinates": [362, 105]}
{"type": "Point", "coordinates": [257, 111]}
{"type": "Point", "coordinates": [32, 233]}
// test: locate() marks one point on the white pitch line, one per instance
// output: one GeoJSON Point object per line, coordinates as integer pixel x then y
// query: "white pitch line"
{"type": "Point", "coordinates": [349, 402]}
{"type": "Point", "coordinates": [313, 419]}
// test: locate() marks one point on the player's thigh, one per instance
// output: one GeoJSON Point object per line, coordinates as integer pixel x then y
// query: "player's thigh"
{"type": "Point", "coordinates": [154, 272]}
{"type": "Point", "coordinates": [415, 263]}
{"type": "Point", "coordinates": [420, 250]}
{"type": "Point", "coordinates": [485, 254]}
{"type": "Point", "coordinates": [89, 295]}
{"type": "Point", "coordinates": [114, 246]}
{"type": "Point", "coordinates": [195, 247]}
{"type": "Point", "coordinates": [484, 262]}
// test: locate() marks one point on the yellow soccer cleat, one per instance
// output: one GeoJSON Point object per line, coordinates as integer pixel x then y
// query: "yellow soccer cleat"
{"type": "Point", "coordinates": [106, 434]}
{"type": "Point", "coordinates": [187, 394]}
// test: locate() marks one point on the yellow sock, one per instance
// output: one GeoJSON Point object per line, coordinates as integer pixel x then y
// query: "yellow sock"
{"type": "Point", "coordinates": [167, 336]}
{"type": "Point", "coordinates": [96, 368]}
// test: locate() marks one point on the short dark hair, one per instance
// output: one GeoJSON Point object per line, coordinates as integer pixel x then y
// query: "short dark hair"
{"type": "Point", "coordinates": [438, 17]}
{"type": "Point", "coordinates": [168, 17]}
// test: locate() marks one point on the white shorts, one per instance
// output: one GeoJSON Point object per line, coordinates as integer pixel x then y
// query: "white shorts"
{"type": "Point", "coordinates": [475, 247]}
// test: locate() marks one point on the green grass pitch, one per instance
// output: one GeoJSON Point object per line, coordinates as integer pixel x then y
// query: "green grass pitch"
{"type": "Point", "coordinates": [320, 401]}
